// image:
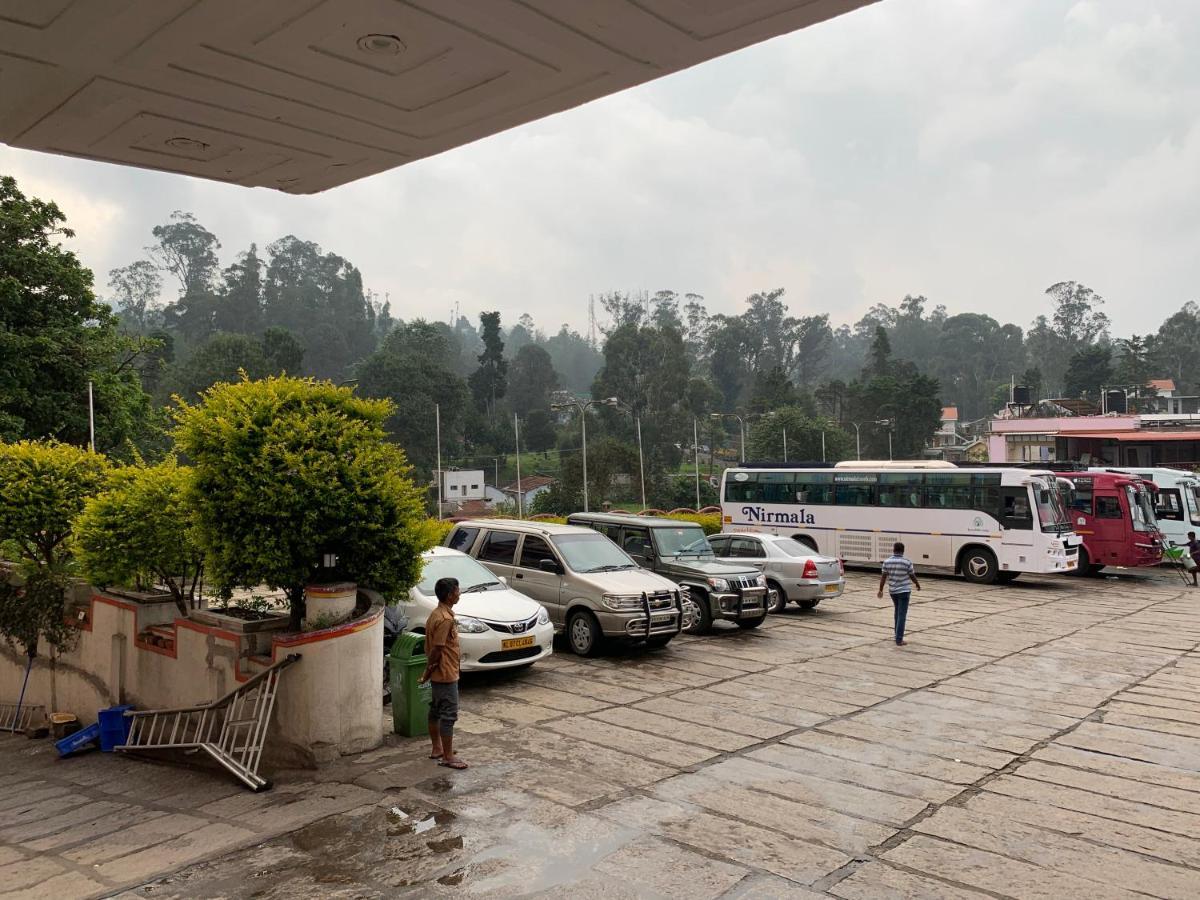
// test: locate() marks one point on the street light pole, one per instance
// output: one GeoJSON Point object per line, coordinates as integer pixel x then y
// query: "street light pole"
{"type": "Point", "coordinates": [583, 425]}
{"type": "Point", "coordinates": [637, 420]}
{"type": "Point", "coordinates": [741, 428]}
{"type": "Point", "coordinates": [857, 441]}
{"type": "Point", "coordinates": [785, 458]}
{"type": "Point", "coordinates": [517, 441]}
{"type": "Point", "coordinates": [583, 406]}
{"type": "Point", "coordinates": [437, 418]}
{"type": "Point", "coordinates": [696, 450]}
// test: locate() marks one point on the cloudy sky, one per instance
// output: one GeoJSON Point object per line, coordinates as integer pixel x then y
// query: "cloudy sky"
{"type": "Point", "coordinates": [973, 151]}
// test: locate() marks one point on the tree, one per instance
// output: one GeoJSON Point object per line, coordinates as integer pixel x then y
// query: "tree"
{"type": "Point", "coordinates": [489, 382]}
{"type": "Point", "coordinates": [538, 433]}
{"type": "Point", "coordinates": [282, 351]}
{"type": "Point", "coordinates": [287, 470]}
{"type": "Point", "coordinates": [188, 251]}
{"type": "Point", "coordinates": [138, 533]}
{"type": "Point", "coordinates": [136, 287]}
{"type": "Point", "coordinates": [1077, 317]}
{"type": "Point", "coordinates": [1134, 368]}
{"type": "Point", "coordinates": [814, 341]}
{"type": "Point", "coordinates": [647, 369]}
{"type": "Point", "coordinates": [1175, 350]}
{"type": "Point", "coordinates": [45, 488]}
{"type": "Point", "coordinates": [773, 390]}
{"type": "Point", "coordinates": [1089, 371]}
{"type": "Point", "coordinates": [575, 360]}
{"type": "Point", "coordinates": [410, 369]}
{"type": "Point", "coordinates": [222, 358]}
{"type": "Point", "coordinates": [55, 337]}
{"type": "Point", "coordinates": [240, 308]}
{"type": "Point", "coordinates": [880, 355]}
{"type": "Point", "coordinates": [319, 298]}
{"type": "Point", "coordinates": [804, 437]}
{"type": "Point", "coordinates": [531, 380]}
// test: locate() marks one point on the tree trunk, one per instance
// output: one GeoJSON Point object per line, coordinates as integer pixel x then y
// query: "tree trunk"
{"type": "Point", "coordinates": [296, 609]}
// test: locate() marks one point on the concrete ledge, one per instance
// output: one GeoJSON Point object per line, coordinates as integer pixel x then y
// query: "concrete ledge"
{"type": "Point", "coordinates": [328, 704]}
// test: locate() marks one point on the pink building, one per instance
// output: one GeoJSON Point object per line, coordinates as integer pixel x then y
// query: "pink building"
{"type": "Point", "coordinates": [1117, 440]}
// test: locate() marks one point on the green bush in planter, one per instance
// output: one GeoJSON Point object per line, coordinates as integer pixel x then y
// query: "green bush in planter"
{"type": "Point", "coordinates": [289, 469]}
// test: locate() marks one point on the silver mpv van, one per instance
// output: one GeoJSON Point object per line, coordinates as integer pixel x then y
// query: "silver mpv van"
{"type": "Point", "coordinates": [592, 589]}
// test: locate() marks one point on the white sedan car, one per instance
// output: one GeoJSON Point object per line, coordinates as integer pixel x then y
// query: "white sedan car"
{"type": "Point", "coordinates": [497, 627]}
{"type": "Point", "coordinates": [794, 571]}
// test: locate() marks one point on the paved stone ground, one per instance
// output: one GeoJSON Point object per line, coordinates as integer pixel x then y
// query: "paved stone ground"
{"type": "Point", "coordinates": [1035, 740]}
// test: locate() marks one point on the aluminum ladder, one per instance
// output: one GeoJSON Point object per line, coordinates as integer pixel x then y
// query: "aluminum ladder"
{"type": "Point", "coordinates": [17, 717]}
{"type": "Point", "coordinates": [231, 729]}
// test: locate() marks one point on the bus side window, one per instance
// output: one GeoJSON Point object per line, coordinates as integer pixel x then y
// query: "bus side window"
{"type": "Point", "coordinates": [1108, 508]}
{"type": "Point", "coordinates": [986, 499]}
{"type": "Point", "coordinates": [853, 494]}
{"type": "Point", "coordinates": [815, 489]}
{"type": "Point", "coordinates": [1014, 508]}
{"type": "Point", "coordinates": [1168, 506]}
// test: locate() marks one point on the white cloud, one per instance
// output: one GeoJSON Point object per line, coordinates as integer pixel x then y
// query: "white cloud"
{"type": "Point", "coordinates": [969, 150]}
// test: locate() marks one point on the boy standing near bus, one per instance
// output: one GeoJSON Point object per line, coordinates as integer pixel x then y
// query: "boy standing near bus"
{"type": "Point", "coordinates": [900, 577]}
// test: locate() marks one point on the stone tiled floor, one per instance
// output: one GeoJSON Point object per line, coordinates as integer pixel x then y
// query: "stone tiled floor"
{"type": "Point", "coordinates": [1035, 740]}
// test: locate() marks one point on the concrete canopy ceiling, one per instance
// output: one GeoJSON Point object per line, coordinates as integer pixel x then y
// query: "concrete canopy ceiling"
{"type": "Point", "coordinates": [303, 95]}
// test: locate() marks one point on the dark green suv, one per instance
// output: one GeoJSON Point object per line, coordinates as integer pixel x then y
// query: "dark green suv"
{"type": "Point", "coordinates": [680, 551]}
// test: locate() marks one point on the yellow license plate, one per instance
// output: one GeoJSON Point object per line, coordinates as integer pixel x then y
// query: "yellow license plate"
{"type": "Point", "coordinates": [517, 643]}
{"type": "Point", "coordinates": [831, 588]}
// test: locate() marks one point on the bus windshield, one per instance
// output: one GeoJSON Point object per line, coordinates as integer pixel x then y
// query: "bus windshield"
{"type": "Point", "coordinates": [1189, 491]}
{"type": "Point", "coordinates": [1051, 513]}
{"type": "Point", "coordinates": [1141, 509]}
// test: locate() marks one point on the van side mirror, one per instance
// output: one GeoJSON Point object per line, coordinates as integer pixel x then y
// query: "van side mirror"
{"type": "Point", "coordinates": [551, 566]}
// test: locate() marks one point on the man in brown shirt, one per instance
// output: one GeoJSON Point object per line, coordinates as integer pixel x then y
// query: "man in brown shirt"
{"type": "Point", "coordinates": [441, 650]}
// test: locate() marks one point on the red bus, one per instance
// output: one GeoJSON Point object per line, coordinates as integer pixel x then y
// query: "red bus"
{"type": "Point", "coordinates": [1114, 514]}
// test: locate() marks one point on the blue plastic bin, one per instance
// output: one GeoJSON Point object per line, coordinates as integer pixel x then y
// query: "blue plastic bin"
{"type": "Point", "coordinates": [73, 743]}
{"type": "Point", "coordinates": [114, 727]}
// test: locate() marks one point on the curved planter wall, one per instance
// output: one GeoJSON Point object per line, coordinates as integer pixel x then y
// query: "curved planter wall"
{"type": "Point", "coordinates": [328, 704]}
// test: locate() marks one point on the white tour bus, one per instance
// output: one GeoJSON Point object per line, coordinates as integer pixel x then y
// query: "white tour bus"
{"type": "Point", "coordinates": [990, 524]}
{"type": "Point", "coordinates": [1177, 502]}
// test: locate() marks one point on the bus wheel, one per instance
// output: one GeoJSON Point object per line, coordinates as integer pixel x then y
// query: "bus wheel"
{"type": "Point", "coordinates": [1097, 568]}
{"type": "Point", "coordinates": [979, 566]}
{"type": "Point", "coordinates": [1006, 577]}
{"type": "Point", "coordinates": [1083, 565]}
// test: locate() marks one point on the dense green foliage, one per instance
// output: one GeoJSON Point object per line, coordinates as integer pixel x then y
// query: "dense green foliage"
{"type": "Point", "coordinates": [287, 470]}
{"type": "Point", "coordinates": [138, 532]}
{"type": "Point", "coordinates": [45, 486]}
{"type": "Point", "coordinates": [55, 337]}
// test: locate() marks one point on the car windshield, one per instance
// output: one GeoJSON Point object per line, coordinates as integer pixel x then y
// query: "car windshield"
{"type": "Point", "coordinates": [470, 574]}
{"type": "Point", "coordinates": [793, 547]}
{"type": "Point", "coordinates": [1141, 510]}
{"type": "Point", "coordinates": [1050, 509]}
{"type": "Point", "coordinates": [592, 553]}
{"type": "Point", "coordinates": [690, 539]}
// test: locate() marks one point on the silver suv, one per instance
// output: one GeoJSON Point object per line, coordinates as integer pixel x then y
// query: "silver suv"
{"type": "Point", "coordinates": [589, 585]}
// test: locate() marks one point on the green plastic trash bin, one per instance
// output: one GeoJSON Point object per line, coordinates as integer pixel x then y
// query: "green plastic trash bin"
{"type": "Point", "coordinates": [410, 700]}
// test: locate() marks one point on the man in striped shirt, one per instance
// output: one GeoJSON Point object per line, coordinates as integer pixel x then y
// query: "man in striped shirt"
{"type": "Point", "coordinates": [900, 577]}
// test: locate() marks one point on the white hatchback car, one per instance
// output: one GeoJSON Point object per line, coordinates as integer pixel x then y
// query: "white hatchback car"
{"type": "Point", "coordinates": [498, 627]}
{"type": "Point", "coordinates": [794, 571]}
